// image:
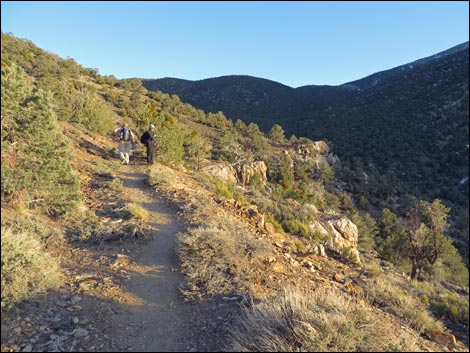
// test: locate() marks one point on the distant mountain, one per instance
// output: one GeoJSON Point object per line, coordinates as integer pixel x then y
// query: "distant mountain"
{"type": "Point", "coordinates": [244, 97]}
{"type": "Point", "coordinates": [412, 123]}
{"type": "Point", "coordinates": [267, 102]}
{"type": "Point", "coordinates": [374, 79]}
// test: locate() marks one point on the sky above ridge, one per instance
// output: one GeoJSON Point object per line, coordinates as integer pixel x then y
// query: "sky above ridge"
{"type": "Point", "coordinates": [294, 43]}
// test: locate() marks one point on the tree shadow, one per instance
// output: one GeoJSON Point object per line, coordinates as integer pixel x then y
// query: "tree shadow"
{"type": "Point", "coordinates": [96, 150]}
{"type": "Point", "coordinates": [89, 314]}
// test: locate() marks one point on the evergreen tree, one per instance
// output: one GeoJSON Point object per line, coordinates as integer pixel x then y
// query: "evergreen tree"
{"type": "Point", "coordinates": [391, 237]}
{"type": "Point", "coordinates": [197, 147]}
{"type": "Point", "coordinates": [35, 154]}
{"type": "Point", "coordinates": [171, 136]}
{"type": "Point", "coordinates": [426, 242]}
{"type": "Point", "coordinates": [277, 134]}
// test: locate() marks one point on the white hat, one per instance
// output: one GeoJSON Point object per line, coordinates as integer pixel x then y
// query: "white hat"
{"type": "Point", "coordinates": [152, 127]}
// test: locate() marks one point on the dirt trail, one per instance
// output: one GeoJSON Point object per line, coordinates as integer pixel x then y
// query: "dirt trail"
{"type": "Point", "coordinates": [157, 319]}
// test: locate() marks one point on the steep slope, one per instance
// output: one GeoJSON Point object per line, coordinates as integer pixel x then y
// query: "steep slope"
{"type": "Point", "coordinates": [414, 125]}
{"type": "Point", "coordinates": [409, 123]}
{"type": "Point", "coordinates": [379, 77]}
{"type": "Point", "coordinates": [238, 243]}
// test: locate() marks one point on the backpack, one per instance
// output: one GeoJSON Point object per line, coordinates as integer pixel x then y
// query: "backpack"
{"type": "Point", "coordinates": [125, 134]}
{"type": "Point", "coordinates": [142, 139]}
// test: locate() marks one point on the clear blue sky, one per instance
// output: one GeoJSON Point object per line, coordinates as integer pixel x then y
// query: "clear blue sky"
{"type": "Point", "coordinates": [295, 43]}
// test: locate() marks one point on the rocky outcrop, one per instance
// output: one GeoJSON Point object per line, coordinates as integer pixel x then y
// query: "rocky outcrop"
{"type": "Point", "coordinates": [241, 173]}
{"type": "Point", "coordinates": [246, 171]}
{"type": "Point", "coordinates": [443, 338]}
{"type": "Point", "coordinates": [341, 233]}
{"type": "Point", "coordinates": [222, 171]}
{"type": "Point", "coordinates": [317, 153]}
{"type": "Point", "coordinates": [321, 147]}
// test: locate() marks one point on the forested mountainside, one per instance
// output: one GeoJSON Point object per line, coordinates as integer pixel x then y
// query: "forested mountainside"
{"type": "Point", "coordinates": [261, 212]}
{"type": "Point", "coordinates": [410, 123]}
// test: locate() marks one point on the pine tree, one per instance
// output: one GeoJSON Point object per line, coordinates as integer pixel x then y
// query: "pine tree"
{"type": "Point", "coordinates": [277, 134]}
{"type": "Point", "coordinates": [426, 240]}
{"type": "Point", "coordinates": [35, 154]}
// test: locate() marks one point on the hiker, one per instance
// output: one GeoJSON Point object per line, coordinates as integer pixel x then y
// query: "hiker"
{"type": "Point", "coordinates": [147, 139]}
{"type": "Point", "coordinates": [126, 137]}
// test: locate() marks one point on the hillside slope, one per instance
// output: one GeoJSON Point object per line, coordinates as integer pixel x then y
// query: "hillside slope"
{"type": "Point", "coordinates": [409, 124]}
{"type": "Point", "coordinates": [93, 250]}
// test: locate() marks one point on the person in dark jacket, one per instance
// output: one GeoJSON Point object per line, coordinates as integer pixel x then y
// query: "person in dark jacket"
{"type": "Point", "coordinates": [147, 139]}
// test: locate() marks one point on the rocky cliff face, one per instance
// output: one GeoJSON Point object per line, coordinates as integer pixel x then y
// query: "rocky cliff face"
{"type": "Point", "coordinates": [241, 173]}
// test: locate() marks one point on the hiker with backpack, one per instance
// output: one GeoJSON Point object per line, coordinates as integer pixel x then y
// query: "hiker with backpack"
{"type": "Point", "coordinates": [126, 137]}
{"type": "Point", "coordinates": [147, 139]}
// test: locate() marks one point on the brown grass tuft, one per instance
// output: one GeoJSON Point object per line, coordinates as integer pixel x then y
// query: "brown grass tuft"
{"type": "Point", "coordinates": [312, 321]}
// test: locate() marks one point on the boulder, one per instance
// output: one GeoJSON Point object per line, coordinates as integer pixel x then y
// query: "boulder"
{"type": "Point", "coordinates": [246, 171]}
{"type": "Point", "coordinates": [256, 217]}
{"type": "Point", "coordinates": [341, 231]}
{"type": "Point", "coordinates": [321, 147]}
{"type": "Point", "coordinates": [443, 338]}
{"type": "Point", "coordinates": [222, 171]}
{"type": "Point", "coordinates": [241, 172]}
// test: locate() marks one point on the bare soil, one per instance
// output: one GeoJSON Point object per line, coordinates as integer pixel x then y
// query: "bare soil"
{"type": "Point", "coordinates": [121, 288]}
{"type": "Point", "coordinates": [154, 317]}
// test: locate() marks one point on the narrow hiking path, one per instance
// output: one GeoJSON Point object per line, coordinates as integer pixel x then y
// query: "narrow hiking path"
{"type": "Point", "coordinates": [154, 281]}
{"type": "Point", "coordinates": [155, 318]}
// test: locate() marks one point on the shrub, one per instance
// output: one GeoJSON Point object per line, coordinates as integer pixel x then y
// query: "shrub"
{"type": "Point", "coordinates": [224, 189]}
{"type": "Point", "coordinates": [349, 253]}
{"type": "Point", "coordinates": [424, 299]}
{"type": "Point", "coordinates": [300, 246]}
{"type": "Point", "coordinates": [256, 183]}
{"type": "Point", "coordinates": [80, 215]}
{"type": "Point", "coordinates": [137, 212]}
{"type": "Point", "coordinates": [315, 321]}
{"type": "Point", "coordinates": [27, 269]}
{"type": "Point", "coordinates": [318, 236]}
{"type": "Point", "coordinates": [268, 217]}
{"type": "Point", "coordinates": [296, 227]}
{"type": "Point", "coordinates": [373, 269]}
{"type": "Point", "coordinates": [219, 257]}
{"type": "Point", "coordinates": [86, 233]}
{"type": "Point", "coordinates": [452, 307]}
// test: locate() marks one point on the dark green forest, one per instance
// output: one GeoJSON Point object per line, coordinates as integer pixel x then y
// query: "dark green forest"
{"type": "Point", "coordinates": [401, 134]}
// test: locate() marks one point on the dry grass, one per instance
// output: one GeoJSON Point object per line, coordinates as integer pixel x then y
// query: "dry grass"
{"type": "Point", "coordinates": [215, 184]}
{"type": "Point", "coordinates": [159, 175]}
{"type": "Point", "coordinates": [27, 270]}
{"type": "Point", "coordinates": [373, 269]}
{"type": "Point", "coordinates": [137, 212]}
{"type": "Point", "coordinates": [389, 295]}
{"type": "Point", "coordinates": [220, 257]}
{"type": "Point", "coordinates": [312, 321]}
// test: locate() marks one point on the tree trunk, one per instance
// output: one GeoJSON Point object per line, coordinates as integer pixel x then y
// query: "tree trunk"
{"type": "Point", "coordinates": [414, 271]}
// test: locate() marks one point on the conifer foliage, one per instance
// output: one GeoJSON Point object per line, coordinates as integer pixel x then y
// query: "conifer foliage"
{"type": "Point", "coordinates": [35, 154]}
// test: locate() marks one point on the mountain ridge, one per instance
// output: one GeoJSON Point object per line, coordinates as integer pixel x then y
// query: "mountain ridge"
{"type": "Point", "coordinates": [456, 48]}
{"type": "Point", "coordinates": [259, 100]}
{"type": "Point", "coordinates": [410, 122]}
{"type": "Point", "coordinates": [243, 243]}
